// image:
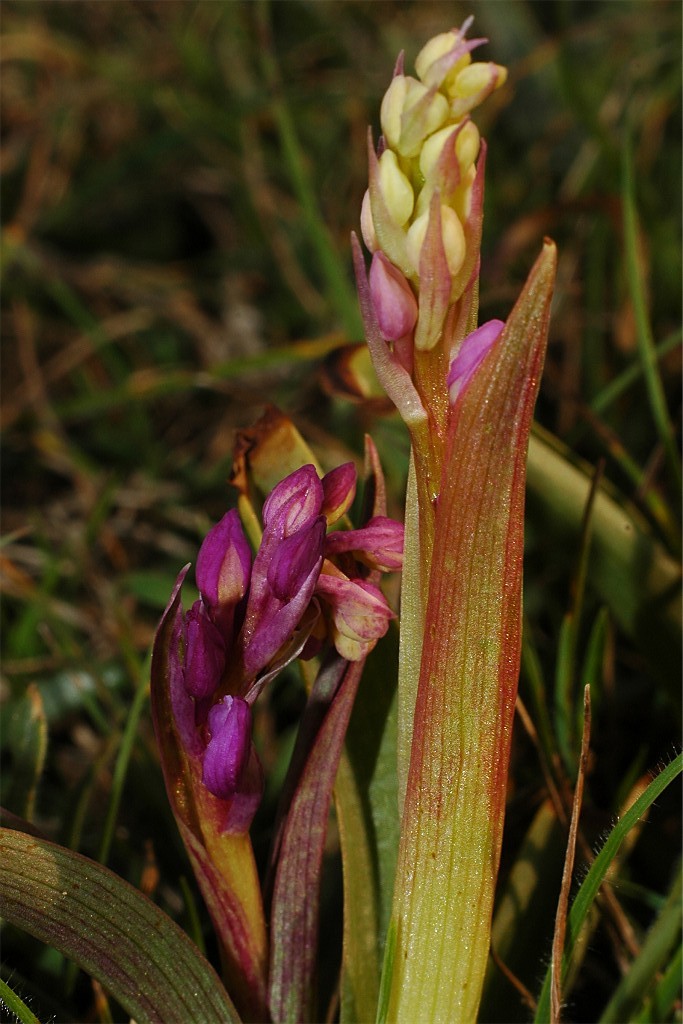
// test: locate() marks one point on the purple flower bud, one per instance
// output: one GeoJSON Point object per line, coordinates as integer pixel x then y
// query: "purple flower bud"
{"type": "Point", "coordinates": [392, 297]}
{"type": "Point", "coordinates": [378, 544]}
{"type": "Point", "coordinates": [294, 558]}
{"type": "Point", "coordinates": [245, 802]}
{"type": "Point", "coordinates": [205, 653]}
{"type": "Point", "coordinates": [223, 568]}
{"type": "Point", "coordinates": [228, 750]}
{"type": "Point", "coordinates": [295, 501]}
{"type": "Point", "coordinates": [471, 354]}
{"type": "Point", "coordinates": [339, 489]}
{"type": "Point", "coordinates": [284, 578]}
{"type": "Point", "coordinates": [183, 705]}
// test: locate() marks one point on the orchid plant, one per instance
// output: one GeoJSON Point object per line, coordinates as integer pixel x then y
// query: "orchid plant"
{"type": "Point", "coordinates": [466, 394]}
{"type": "Point", "coordinates": [286, 578]}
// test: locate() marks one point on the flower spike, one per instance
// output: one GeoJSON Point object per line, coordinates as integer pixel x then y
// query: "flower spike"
{"type": "Point", "coordinates": [466, 393]}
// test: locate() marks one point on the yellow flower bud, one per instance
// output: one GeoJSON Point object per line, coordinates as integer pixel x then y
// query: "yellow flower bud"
{"type": "Point", "coordinates": [467, 146]}
{"type": "Point", "coordinates": [432, 51]}
{"type": "Point", "coordinates": [424, 198]}
{"type": "Point", "coordinates": [423, 113]}
{"type": "Point", "coordinates": [391, 110]}
{"type": "Point", "coordinates": [367, 225]}
{"type": "Point", "coordinates": [476, 78]}
{"type": "Point", "coordinates": [451, 232]}
{"type": "Point", "coordinates": [461, 201]}
{"type": "Point", "coordinates": [433, 148]}
{"type": "Point", "coordinates": [396, 189]}
{"type": "Point", "coordinates": [453, 239]}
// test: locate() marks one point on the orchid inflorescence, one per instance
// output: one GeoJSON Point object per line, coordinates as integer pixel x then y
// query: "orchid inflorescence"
{"type": "Point", "coordinates": [252, 620]}
{"type": "Point", "coordinates": [421, 215]}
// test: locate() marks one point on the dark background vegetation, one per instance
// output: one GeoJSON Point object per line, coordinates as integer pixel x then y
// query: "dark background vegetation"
{"type": "Point", "coordinates": [171, 174]}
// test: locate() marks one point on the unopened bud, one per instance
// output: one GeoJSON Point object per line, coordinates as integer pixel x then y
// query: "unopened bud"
{"type": "Point", "coordinates": [367, 225]}
{"type": "Point", "coordinates": [461, 201]}
{"type": "Point", "coordinates": [471, 354]}
{"type": "Point", "coordinates": [339, 490]}
{"type": "Point", "coordinates": [424, 112]}
{"type": "Point", "coordinates": [451, 232]}
{"type": "Point", "coordinates": [391, 110]}
{"type": "Point", "coordinates": [396, 189]}
{"type": "Point", "coordinates": [433, 148]}
{"type": "Point", "coordinates": [433, 50]}
{"type": "Point", "coordinates": [473, 84]}
{"type": "Point", "coordinates": [205, 653]}
{"type": "Point", "coordinates": [393, 299]}
{"type": "Point", "coordinates": [223, 568]}
{"type": "Point", "coordinates": [430, 65]}
{"type": "Point", "coordinates": [467, 146]}
{"type": "Point", "coordinates": [227, 752]}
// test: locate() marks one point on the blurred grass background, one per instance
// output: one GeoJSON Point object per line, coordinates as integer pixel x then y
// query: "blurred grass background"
{"type": "Point", "coordinates": [179, 181]}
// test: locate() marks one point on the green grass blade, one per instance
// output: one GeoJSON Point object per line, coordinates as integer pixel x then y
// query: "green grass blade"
{"type": "Point", "coordinates": [608, 395]}
{"type": "Point", "coordinates": [16, 1006]}
{"type": "Point", "coordinates": [629, 570]}
{"type": "Point", "coordinates": [666, 995]}
{"type": "Point", "coordinates": [371, 771]}
{"type": "Point", "coordinates": [123, 758]}
{"type": "Point", "coordinates": [654, 954]}
{"type": "Point", "coordinates": [598, 870]}
{"type": "Point", "coordinates": [646, 347]}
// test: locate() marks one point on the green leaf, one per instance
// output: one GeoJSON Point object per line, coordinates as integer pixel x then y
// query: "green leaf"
{"type": "Point", "coordinates": [598, 870]}
{"type": "Point", "coordinates": [111, 930]}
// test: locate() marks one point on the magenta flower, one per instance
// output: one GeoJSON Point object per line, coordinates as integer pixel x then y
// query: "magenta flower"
{"type": "Point", "coordinates": [304, 589]}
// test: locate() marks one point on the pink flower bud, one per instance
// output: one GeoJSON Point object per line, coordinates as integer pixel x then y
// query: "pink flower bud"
{"type": "Point", "coordinates": [393, 300]}
{"type": "Point", "coordinates": [471, 354]}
